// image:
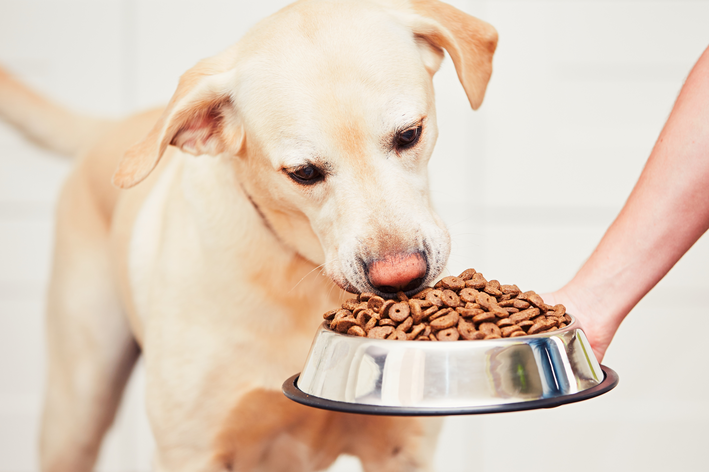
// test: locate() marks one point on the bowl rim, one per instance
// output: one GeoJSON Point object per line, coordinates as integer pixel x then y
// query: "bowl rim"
{"type": "Point", "coordinates": [290, 390]}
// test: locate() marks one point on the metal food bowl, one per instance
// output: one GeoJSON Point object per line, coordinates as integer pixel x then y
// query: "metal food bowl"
{"type": "Point", "coordinates": [418, 378]}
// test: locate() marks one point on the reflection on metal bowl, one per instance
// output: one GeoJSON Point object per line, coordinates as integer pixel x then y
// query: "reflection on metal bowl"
{"type": "Point", "coordinates": [362, 375]}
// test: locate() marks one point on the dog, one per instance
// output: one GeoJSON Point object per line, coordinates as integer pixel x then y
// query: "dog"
{"type": "Point", "coordinates": [285, 171]}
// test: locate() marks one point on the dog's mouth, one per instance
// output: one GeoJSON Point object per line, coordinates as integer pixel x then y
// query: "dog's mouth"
{"type": "Point", "coordinates": [388, 276]}
{"type": "Point", "coordinates": [385, 291]}
{"type": "Point", "coordinates": [388, 291]}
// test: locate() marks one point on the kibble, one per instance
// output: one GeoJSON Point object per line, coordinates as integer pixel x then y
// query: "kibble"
{"type": "Point", "coordinates": [467, 307]}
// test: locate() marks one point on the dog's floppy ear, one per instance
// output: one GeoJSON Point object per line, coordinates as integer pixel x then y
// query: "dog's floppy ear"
{"type": "Point", "coordinates": [200, 119]}
{"type": "Point", "coordinates": [470, 42]}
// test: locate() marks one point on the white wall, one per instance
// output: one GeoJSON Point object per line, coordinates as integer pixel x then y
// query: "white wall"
{"type": "Point", "coordinates": [527, 184]}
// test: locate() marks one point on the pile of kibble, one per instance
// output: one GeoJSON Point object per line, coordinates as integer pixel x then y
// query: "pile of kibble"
{"type": "Point", "coordinates": [466, 307]}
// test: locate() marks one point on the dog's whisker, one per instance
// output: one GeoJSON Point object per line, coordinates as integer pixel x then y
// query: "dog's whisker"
{"type": "Point", "coordinates": [306, 275]}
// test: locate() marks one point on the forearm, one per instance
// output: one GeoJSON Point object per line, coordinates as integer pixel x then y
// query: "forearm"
{"type": "Point", "coordinates": [667, 211]}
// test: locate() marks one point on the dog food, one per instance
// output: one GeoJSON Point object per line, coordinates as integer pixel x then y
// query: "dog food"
{"type": "Point", "coordinates": [466, 307]}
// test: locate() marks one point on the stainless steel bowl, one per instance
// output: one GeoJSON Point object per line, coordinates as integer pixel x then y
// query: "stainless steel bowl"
{"type": "Point", "coordinates": [362, 375]}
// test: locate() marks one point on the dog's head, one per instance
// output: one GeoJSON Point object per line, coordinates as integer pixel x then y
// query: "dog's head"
{"type": "Point", "coordinates": [327, 111]}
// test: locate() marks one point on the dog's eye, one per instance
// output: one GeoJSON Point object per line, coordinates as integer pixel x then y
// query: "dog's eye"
{"type": "Point", "coordinates": [407, 138]}
{"type": "Point", "coordinates": [307, 175]}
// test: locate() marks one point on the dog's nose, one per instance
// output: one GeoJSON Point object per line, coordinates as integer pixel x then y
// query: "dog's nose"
{"type": "Point", "coordinates": [400, 272]}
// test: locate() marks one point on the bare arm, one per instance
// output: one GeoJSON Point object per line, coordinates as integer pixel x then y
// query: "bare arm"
{"type": "Point", "coordinates": [666, 213]}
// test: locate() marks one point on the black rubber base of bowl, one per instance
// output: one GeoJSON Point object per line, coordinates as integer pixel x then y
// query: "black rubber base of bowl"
{"type": "Point", "coordinates": [291, 390]}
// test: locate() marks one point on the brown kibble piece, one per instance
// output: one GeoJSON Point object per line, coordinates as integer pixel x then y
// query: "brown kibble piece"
{"type": "Point", "coordinates": [406, 324]}
{"type": "Point", "coordinates": [483, 317]}
{"type": "Point", "coordinates": [478, 282]}
{"type": "Point", "coordinates": [375, 303]}
{"type": "Point", "coordinates": [416, 331]}
{"type": "Point", "coordinates": [330, 315]}
{"type": "Point", "coordinates": [450, 298]}
{"type": "Point", "coordinates": [524, 314]}
{"type": "Point", "coordinates": [468, 312]}
{"type": "Point", "coordinates": [559, 310]}
{"type": "Point", "coordinates": [445, 321]}
{"type": "Point", "coordinates": [342, 325]}
{"type": "Point", "coordinates": [453, 283]}
{"type": "Point", "coordinates": [508, 330]}
{"type": "Point", "coordinates": [493, 288]}
{"type": "Point", "coordinates": [399, 311]}
{"type": "Point", "coordinates": [356, 331]}
{"type": "Point", "coordinates": [380, 332]}
{"type": "Point", "coordinates": [361, 307]}
{"type": "Point", "coordinates": [485, 301]}
{"type": "Point", "coordinates": [448, 334]}
{"type": "Point", "coordinates": [350, 304]}
{"type": "Point", "coordinates": [428, 312]}
{"type": "Point", "coordinates": [364, 316]}
{"type": "Point", "coordinates": [386, 306]}
{"type": "Point", "coordinates": [536, 300]}
{"type": "Point", "coordinates": [489, 303]}
{"type": "Point", "coordinates": [517, 334]}
{"type": "Point", "coordinates": [439, 313]}
{"type": "Point", "coordinates": [467, 274]}
{"type": "Point", "coordinates": [505, 322]}
{"type": "Point", "coordinates": [416, 311]}
{"type": "Point", "coordinates": [422, 294]}
{"type": "Point", "coordinates": [537, 327]}
{"type": "Point", "coordinates": [525, 324]}
{"type": "Point", "coordinates": [467, 330]}
{"type": "Point", "coordinates": [399, 335]}
{"type": "Point", "coordinates": [432, 337]}
{"type": "Point", "coordinates": [521, 304]}
{"type": "Point", "coordinates": [387, 322]}
{"type": "Point", "coordinates": [402, 297]}
{"type": "Point", "coordinates": [365, 296]}
{"type": "Point", "coordinates": [489, 328]}
{"type": "Point", "coordinates": [434, 296]}
{"type": "Point", "coordinates": [339, 314]}
{"type": "Point", "coordinates": [510, 289]}
{"type": "Point", "coordinates": [492, 336]}
{"type": "Point", "coordinates": [468, 295]}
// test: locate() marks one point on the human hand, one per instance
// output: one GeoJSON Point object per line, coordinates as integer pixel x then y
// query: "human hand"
{"type": "Point", "coordinates": [595, 319]}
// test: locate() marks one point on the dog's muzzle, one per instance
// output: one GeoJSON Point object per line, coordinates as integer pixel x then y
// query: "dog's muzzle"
{"type": "Point", "coordinates": [397, 272]}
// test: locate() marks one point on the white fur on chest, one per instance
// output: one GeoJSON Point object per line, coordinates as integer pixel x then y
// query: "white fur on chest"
{"type": "Point", "coordinates": [145, 240]}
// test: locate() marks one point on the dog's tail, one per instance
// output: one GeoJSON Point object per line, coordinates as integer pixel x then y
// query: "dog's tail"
{"type": "Point", "coordinates": [44, 122]}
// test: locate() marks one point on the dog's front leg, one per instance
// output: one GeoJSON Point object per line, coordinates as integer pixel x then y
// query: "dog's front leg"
{"type": "Point", "coordinates": [393, 444]}
{"type": "Point", "coordinates": [267, 432]}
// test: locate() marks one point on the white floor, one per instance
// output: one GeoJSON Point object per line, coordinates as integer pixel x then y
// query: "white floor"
{"type": "Point", "coordinates": [528, 184]}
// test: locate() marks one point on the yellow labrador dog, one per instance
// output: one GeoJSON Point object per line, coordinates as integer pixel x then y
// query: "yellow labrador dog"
{"type": "Point", "coordinates": [300, 151]}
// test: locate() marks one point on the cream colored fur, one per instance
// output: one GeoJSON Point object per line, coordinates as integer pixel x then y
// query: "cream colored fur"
{"type": "Point", "coordinates": [216, 265]}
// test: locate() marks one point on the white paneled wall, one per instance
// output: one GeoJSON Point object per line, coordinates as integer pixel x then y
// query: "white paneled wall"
{"type": "Point", "coordinates": [527, 184]}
